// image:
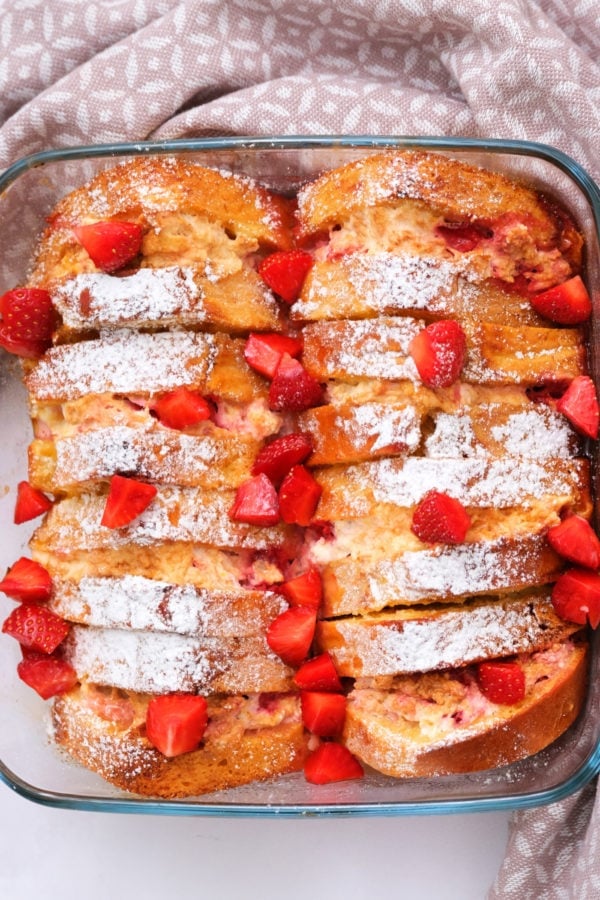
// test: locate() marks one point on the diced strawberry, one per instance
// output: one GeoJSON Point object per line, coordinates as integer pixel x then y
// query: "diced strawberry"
{"type": "Point", "coordinates": [36, 627]}
{"type": "Point", "coordinates": [263, 352]}
{"type": "Point", "coordinates": [461, 236]}
{"type": "Point", "coordinates": [318, 674]}
{"type": "Point", "coordinates": [579, 404]}
{"type": "Point", "coordinates": [299, 496]}
{"type": "Point", "coordinates": [28, 320]}
{"type": "Point", "coordinates": [256, 502]}
{"type": "Point", "coordinates": [277, 458]}
{"type": "Point", "coordinates": [293, 388]}
{"type": "Point", "coordinates": [291, 633]}
{"type": "Point", "coordinates": [332, 762]}
{"type": "Point", "coordinates": [111, 244]}
{"type": "Point", "coordinates": [175, 723]}
{"type": "Point", "coordinates": [576, 597]}
{"type": "Point", "coordinates": [48, 675]}
{"type": "Point", "coordinates": [567, 304]}
{"type": "Point", "coordinates": [440, 518]}
{"type": "Point", "coordinates": [501, 682]}
{"type": "Point", "coordinates": [576, 540]}
{"type": "Point", "coordinates": [30, 504]}
{"type": "Point", "coordinates": [439, 352]}
{"type": "Point", "coordinates": [27, 581]}
{"type": "Point", "coordinates": [284, 272]}
{"type": "Point", "coordinates": [323, 713]}
{"type": "Point", "coordinates": [304, 590]}
{"type": "Point", "coordinates": [181, 408]}
{"type": "Point", "coordinates": [127, 499]}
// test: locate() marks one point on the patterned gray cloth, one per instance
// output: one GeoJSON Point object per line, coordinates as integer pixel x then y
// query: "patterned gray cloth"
{"type": "Point", "coordinates": [78, 72]}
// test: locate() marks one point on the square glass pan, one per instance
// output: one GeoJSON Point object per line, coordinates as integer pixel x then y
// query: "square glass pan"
{"type": "Point", "coordinates": [29, 763]}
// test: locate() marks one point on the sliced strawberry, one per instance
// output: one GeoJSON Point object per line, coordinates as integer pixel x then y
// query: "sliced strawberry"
{"type": "Point", "coordinates": [501, 682]}
{"type": "Point", "coordinates": [111, 244]}
{"type": "Point", "coordinates": [30, 504]}
{"type": "Point", "coordinates": [461, 236]}
{"type": "Point", "coordinates": [263, 352]}
{"type": "Point", "coordinates": [576, 540]}
{"type": "Point", "coordinates": [36, 627]}
{"type": "Point", "coordinates": [576, 597]}
{"type": "Point", "coordinates": [567, 304]}
{"type": "Point", "coordinates": [181, 408]}
{"type": "Point", "coordinates": [291, 633]}
{"type": "Point", "coordinates": [175, 723]}
{"type": "Point", "coordinates": [323, 713]}
{"type": "Point", "coordinates": [299, 496]}
{"type": "Point", "coordinates": [127, 499]}
{"type": "Point", "coordinates": [284, 272]}
{"type": "Point", "coordinates": [256, 502]}
{"type": "Point", "coordinates": [293, 388]}
{"type": "Point", "coordinates": [332, 762]}
{"type": "Point", "coordinates": [579, 404]}
{"type": "Point", "coordinates": [28, 320]}
{"type": "Point", "coordinates": [278, 457]}
{"type": "Point", "coordinates": [27, 581]}
{"type": "Point", "coordinates": [439, 352]}
{"type": "Point", "coordinates": [48, 675]}
{"type": "Point", "coordinates": [304, 590]}
{"type": "Point", "coordinates": [318, 674]}
{"type": "Point", "coordinates": [440, 518]}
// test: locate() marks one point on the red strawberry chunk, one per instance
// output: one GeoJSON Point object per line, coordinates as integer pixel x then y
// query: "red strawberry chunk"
{"type": "Point", "coordinates": [576, 597]}
{"type": "Point", "coordinates": [461, 236]}
{"type": "Point", "coordinates": [304, 590]}
{"type": "Point", "coordinates": [111, 244]}
{"type": "Point", "coordinates": [27, 581]}
{"type": "Point", "coordinates": [48, 675]}
{"type": "Point", "coordinates": [567, 304]}
{"type": "Point", "coordinates": [284, 272]}
{"type": "Point", "coordinates": [28, 321]}
{"type": "Point", "coordinates": [181, 409]}
{"type": "Point", "coordinates": [579, 404]}
{"type": "Point", "coordinates": [440, 518]}
{"type": "Point", "coordinates": [36, 627]}
{"type": "Point", "coordinates": [30, 504]}
{"type": "Point", "coordinates": [501, 682]}
{"type": "Point", "coordinates": [278, 457]}
{"type": "Point", "coordinates": [332, 762]}
{"type": "Point", "coordinates": [576, 540]}
{"type": "Point", "coordinates": [439, 352]}
{"type": "Point", "coordinates": [263, 352]}
{"type": "Point", "coordinates": [175, 723]}
{"type": "Point", "coordinates": [127, 499]}
{"type": "Point", "coordinates": [293, 388]}
{"type": "Point", "coordinates": [299, 496]}
{"type": "Point", "coordinates": [323, 713]}
{"type": "Point", "coordinates": [256, 502]}
{"type": "Point", "coordinates": [290, 635]}
{"type": "Point", "coordinates": [318, 674]}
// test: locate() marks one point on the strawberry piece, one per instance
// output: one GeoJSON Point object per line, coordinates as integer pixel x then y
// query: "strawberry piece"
{"type": "Point", "coordinates": [27, 581]}
{"type": "Point", "coordinates": [277, 458]}
{"type": "Point", "coordinates": [110, 245]}
{"type": "Point", "coordinates": [299, 496]}
{"type": "Point", "coordinates": [440, 518]}
{"type": "Point", "coordinates": [30, 504]}
{"type": "Point", "coordinates": [36, 627]}
{"type": "Point", "coordinates": [332, 762]}
{"type": "Point", "coordinates": [439, 352]}
{"type": "Point", "coordinates": [304, 590]}
{"type": "Point", "coordinates": [567, 304]}
{"type": "Point", "coordinates": [256, 502]}
{"type": "Point", "coordinates": [323, 713]}
{"type": "Point", "coordinates": [127, 499]}
{"type": "Point", "coordinates": [318, 674]}
{"type": "Point", "coordinates": [576, 597]}
{"type": "Point", "coordinates": [461, 236]}
{"type": "Point", "coordinates": [48, 675]}
{"type": "Point", "coordinates": [175, 723]}
{"type": "Point", "coordinates": [291, 633]}
{"type": "Point", "coordinates": [181, 409]}
{"type": "Point", "coordinates": [284, 272]}
{"type": "Point", "coordinates": [579, 404]}
{"type": "Point", "coordinates": [293, 388]}
{"type": "Point", "coordinates": [263, 352]}
{"type": "Point", "coordinates": [576, 540]}
{"type": "Point", "coordinates": [501, 682]}
{"type": "Point", "coordinates": [28, 320]}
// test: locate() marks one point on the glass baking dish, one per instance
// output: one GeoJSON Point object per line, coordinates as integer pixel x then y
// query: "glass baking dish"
{"type": "Point", "coordinates": [29, 763]}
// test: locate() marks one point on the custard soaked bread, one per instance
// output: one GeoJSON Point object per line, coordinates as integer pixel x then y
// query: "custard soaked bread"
{"type": "Point", "coordinates": [317, 474]}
